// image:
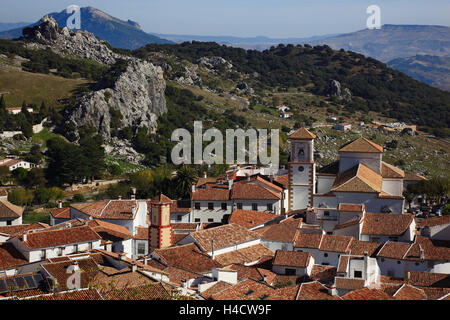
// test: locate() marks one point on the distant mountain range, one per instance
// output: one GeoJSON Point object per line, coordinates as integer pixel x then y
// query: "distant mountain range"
{"type": "Point", "coordinates": [118, 33]}
{"type": "Point", "coordinates": [416, 44]}
{"type": "Point", "coordinates": [14, 25]}
{"type": "Point", "coordinates": [394, 41]}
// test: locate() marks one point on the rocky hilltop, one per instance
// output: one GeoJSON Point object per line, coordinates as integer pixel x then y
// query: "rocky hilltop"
{"type": "Point", "coordinates": [138, 95]}
{"type": "Point", "coordinates": [61, 40]}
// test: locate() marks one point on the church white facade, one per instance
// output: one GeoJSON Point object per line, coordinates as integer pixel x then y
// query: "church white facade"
{"type": "Point", "coordinates": [359, 178]}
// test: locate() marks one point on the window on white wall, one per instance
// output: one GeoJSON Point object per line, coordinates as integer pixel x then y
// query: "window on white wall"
{"type": "Point", "coordinates": [141, 248]}
{"type": "Point", "coordinates": [254, 206]}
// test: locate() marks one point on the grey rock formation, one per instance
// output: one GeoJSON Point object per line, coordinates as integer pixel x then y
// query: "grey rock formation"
{"type": "Point", "coordinates": [63, 41]}
{"type": "Point", "coordinates": [337, 90]}
{"type": "Point", "coordinates": [214, 62]}
{"type": "Point", "coordinates": [138, 94]}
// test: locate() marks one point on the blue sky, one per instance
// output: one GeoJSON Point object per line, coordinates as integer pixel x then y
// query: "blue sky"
{"type": "Point", "coordinates": [273, 18]}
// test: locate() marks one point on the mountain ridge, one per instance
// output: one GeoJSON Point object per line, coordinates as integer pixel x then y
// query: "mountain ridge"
{"type": "Point", "coordinates": [118, 33]}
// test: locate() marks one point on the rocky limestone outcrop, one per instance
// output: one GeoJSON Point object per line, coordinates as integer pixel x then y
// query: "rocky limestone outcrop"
{"type": "Point", "coordinates": [342, 93]}
{"type": "Point", "coordinates": [138, 94]}
{"type": "Point", "coordinates": [214, 62]}
{"type": "Point", "coordinates": [47, 34]}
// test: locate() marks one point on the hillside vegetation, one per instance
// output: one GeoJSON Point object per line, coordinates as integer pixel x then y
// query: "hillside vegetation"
{"type": "Point", "coordinates": [374, 86]}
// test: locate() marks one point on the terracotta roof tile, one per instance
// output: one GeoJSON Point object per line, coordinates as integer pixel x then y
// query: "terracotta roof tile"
{"type": "Point", "coordinates": [16, 230]}
{"type": "Point", "coordinates": [215, 289]}
{"type": "Point", "coordinates": [366, 294]}
{"type": "Point", "coordinates": [358, 247]}
{"type": "Point", "coordinates": [213, 192]}
{"type": "Point", "coordinates": [323, 274]}
{"type": "Point", "coordinates": [285, 231]}
{"type": "Point", "coordinates": [111, 210]}
{"type": "Point", "coordinates": [386, 224]}
{"type": "Point", "coordinates": [335, 243]}
{"type": "Point", "coordinates": [250, 254]}
{"type": "Point", "coordinates": [362, 145]}
{"type": "Point", "coordinates": [314, 291]}
{"type": "Point", "coordinates": [302, 134]}
{"type": "Point", "coordinates": [413, 177]}
{"type": "Point", "coordinates": [9, 210]}
{"type": "Point", "coordinates": [250, 219]}
{"type": "Point", "coordinates": [106, 230]}
{"type": "Point", "coordinates": [360, 178]}
{"type": "Point", "coordinates": [394, 250]}
{"type": "Point", "coordinates": [60, 213]}
{"type": "Point", "coordinates": [408, 292]}
{"type": "Point", "coordinates": [253, 191]}
{"type": "Point", "coordinates": [3, 193]}
{"type": "Point", "coordinates": [141, 233]}
{"type": "Point", "coordinates": [10, 256]}
{"type": "Point", "coordinates": [306, 240]}
{"type": "Point", "coordinates": [81, 295]}
{"type": "Point", "coordinates": [389, 171]}
{"type": "Point", "coordinates": [296, 259]}
{"type": "Point", "coordinates": [435, 221]}
{"type": "Point", "coordinates": [255, 273]}
{"type": "Point", "coordinates": [223, 236]}
{"type": "Point", "coordinates": [351, 207]}
{"type": "Point", "coordinates": [343, 264]}
{"type": "Point", "coordinates": [246, 290]}
{"type": "Point", "coordinates": [153, 291]}
{"type": "Point", "coordinates": [428, 279]}
{"type": "Point", "coordinates": [283, 180]}
{"type": "Point", "coordinates": [47, 239]}
{"type": "Point", "coordinates": [349, 283]}
{"type": "Point", "coordinates": [187, 257]}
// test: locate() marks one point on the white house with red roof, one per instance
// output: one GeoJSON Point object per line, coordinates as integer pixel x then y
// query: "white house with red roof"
{"type": "Point", "coordinates": [214, 202]}
{"type": "Point", "coordinates": [14, 164]}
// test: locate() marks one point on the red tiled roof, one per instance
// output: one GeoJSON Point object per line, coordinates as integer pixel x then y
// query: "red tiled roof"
{"type": "Point", "coordinates": [250, 254]}
{"type": "Point", "coordinates": [285, 231]}
{"type": "Point", "coordinates": [323, 274]}
{"type": "Point", "coordinates": [80, 295]}
{"type": "Point", "coordinates": [152, 291]}
{"type": "Point", "coordinates": [306, 240]}
{"type": "Point", "coordinates": [349, 283]}
{"type": "Point", "coordinates": [314, 291]}
{"type": "Point", "coordinates": [386, 224]}
{"type": "Point", "coordinates": [212, 192]}
{"type": "Point", "coordinates": [10, 256]}
{"type": "Point", "coordinates": [246, 290]}
{"type": "Point", "coordinates": [253, 191]}
{"type": "Point", "coordinates": [435, 221]}
{"type": "Point", "coordinates": [295, 259]}
{"type": "Point", "coordinates": [335, 243]}
{"type": "Point", "coordinates": [111, 210]}
{"type": "Point", "coordinates": [413, 177]}
{"type": "Point", "coordinates": [187, 257]}
{"type": "Point", "coordinates": [3, 193]}
{"type": "Point", "coordinates": [60, 213]}
{"type": "Point", "coordinates": [362, 145]}
{"type": "Point", "coordinates": [408, 292]}
{"type": "Point", "coordinates": [394, 250]}
{"type": "Point", "coordinates": [389, 171]}
{"type": "Point", "coordinates": [360, 178]}
{"type": "Point", "coordinates": [223, 236]}
{"type": "Point", "coordinates": [250, 218]}
{"type": "Point", "coordinates": [358, 247]}
{"type": "Point", "coordinates": [16, 230]}
{"type": "Point", "coordinates": [161, 199]}
{"type": "Point", "coordinates": [185, 226]}
{"type": "Point", "coordinates": [246, 272]}
{"type": "Point", "coordinates": [47, 239]}
{"type": "Point", "coordinates": [215, 289]}
{"type": "Point", "coordinates": [343, 264]}
{"type": "Point", "coordinates": [141, 234]}
{"type": "Point", "coordinates": [106, 228]}
{"type": "Point", "coordinates": [302, 134]}
{"type": "Point", "coordinates": [9, 210]}
{"type": "Point", "coordinates": [283, 180]}
{"type": "Point", "coordinates": [367, 294]}
{"type": "Point", "coordinates": [428, 279]}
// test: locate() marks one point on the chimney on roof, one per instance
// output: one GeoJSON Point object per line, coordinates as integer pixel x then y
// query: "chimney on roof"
{"type": "Point", "coordinates": [193, 187]}
{"type": "Point", "coordinates": [120, 197]}
{"type": "Point", "coordinates": [212, 249]}
{"type": "Point", "coordinates": [25, 236]}
{"type": "Point", "coordinates": [133, 267]}
{"type": "Point", "coordinates": [408, 276]}
{"type": "Point", "coordinates": [60, 205]}
{"type": "Point", "coordinates": [133, 194]}
{"type": "Point", "coordinates": [183, 283]}
{"type": "Point", "coordinates": [205, 175]}
{"type": "Point", "coordinates": [122, 256]}
{"type": "Point", "coordinates": [248, 176]}
{"type": "Point", "coordinates": [230, 184]}
{"type": "Point", "coordinates": [265, 278]}
{"type": "Point", "coordinates": [108, 246]}
{"type": "Point", "coordinates": [422, 253]}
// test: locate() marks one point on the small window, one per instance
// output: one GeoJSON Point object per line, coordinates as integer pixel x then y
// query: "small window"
{"type": "Point", "coordinates": [330, 233]}
{"type": "Point", "coordinates": [325, 255]}
{"type": "Point", "coordinates": [239, 206]}
{"type": "Point", "coordinates": [210, 220]}
{"type": "Point", "coordinates": [358, 274]}
{"type": "Point", "coordinates": [398, 262]}
{"type": "Point", "coordinates": [141, 248]}
{"type": "Point", "coordinates": [60, 252]}
{"type": "Point", "coordinates": [325, 264]}
{"type": "Point", "coordinates": [269, 207]}
{"type": "Point", "coordinates": [326, 213]}
{"type": "Point", "coordinates": [254, 206]}
{"type": "Point", "coordinates": [417, 263]}
{"type": "Point", "coordinates": [289, 272]}
{"type": "Point", "coordinates": [179, 218]}
{"type": "Point", "coordinates": [43, 254]}
{"type": "Point", "coordinates": [197, 219]}
{"type": "Point", "coordinates": [90, 245]}
{"type": "Point", "coordinates": [301, 168]}
{"type": "Point", "coordinates": [210, 206]}
{"type": "Point", "coordinates": [9, 222]}
{"type": "Point", "coordinates": [197, 206]}
{"type": "Point", "coordinates": [224, 206]}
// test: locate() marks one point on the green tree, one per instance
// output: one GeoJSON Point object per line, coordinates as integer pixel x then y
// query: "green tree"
{"type": "Point", "coordinates": [184, 179]}
{"type": "Point", "coordinates": [35, 177]}
{"type": "Point", "coordinates": [21, 197]}
{"type": "Point", "coordinates": [20, 175]}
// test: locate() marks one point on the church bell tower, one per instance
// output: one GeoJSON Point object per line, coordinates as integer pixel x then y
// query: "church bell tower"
{"type": "Point", "coordinates": [302, 169]}
{"type": "Point", "coordinates": [160, 232]}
